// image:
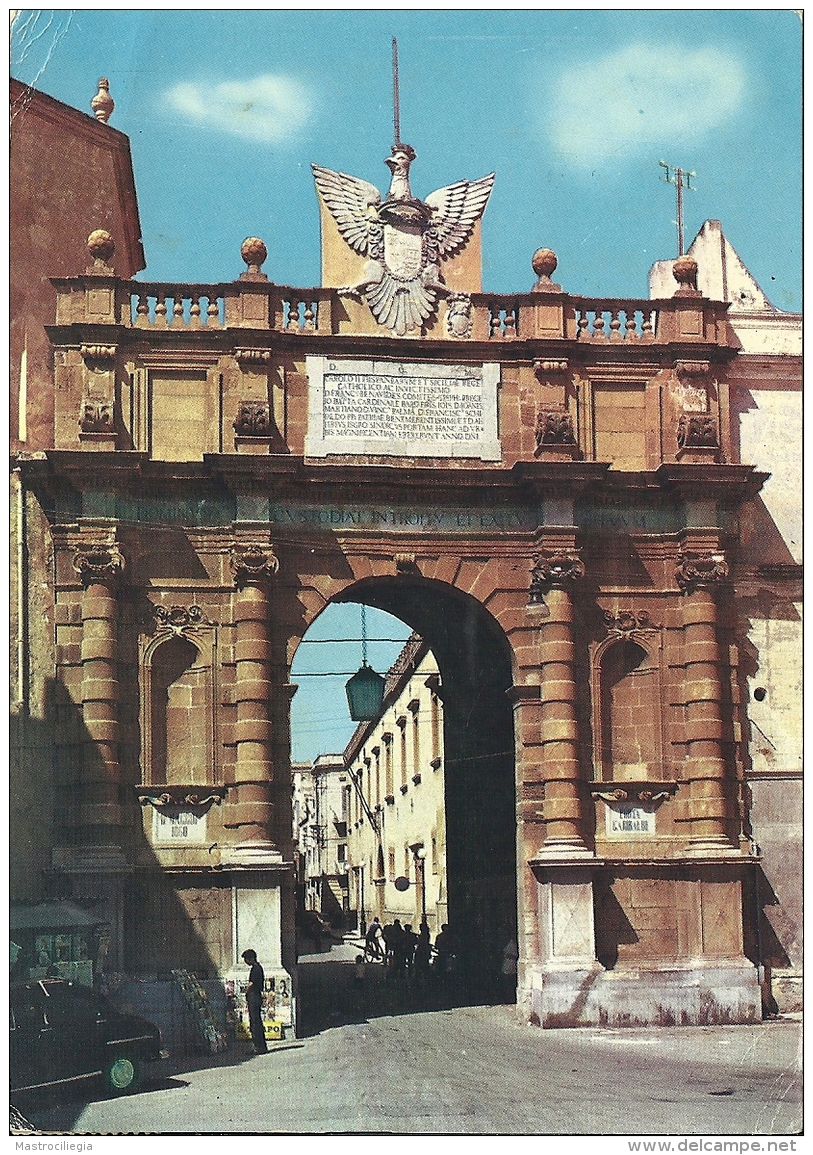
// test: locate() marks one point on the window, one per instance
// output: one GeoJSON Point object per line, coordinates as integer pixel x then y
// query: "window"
{"type": "Point", "coordinates": [414, 709]}
{"type": "Point", "coordinates": [388, 783]}
{"type": "Point", "coordinates": [434, 723]}
{"type": "Point", "coordinates": [376, 799]}
{"type": "Point", "coordinates": [402, 749]}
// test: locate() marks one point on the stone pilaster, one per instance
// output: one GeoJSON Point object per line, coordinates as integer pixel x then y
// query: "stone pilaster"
{"type": "Point", "coordinates": [700, 575]}
{"type": "Point", "coordinates": [564, 816]}
{"type": "Point", "coordinates": [98, 810]}
{"type": "Point", "coordinates": [92, 853]}
{"type": "Point", "coordinates": [249, 810]}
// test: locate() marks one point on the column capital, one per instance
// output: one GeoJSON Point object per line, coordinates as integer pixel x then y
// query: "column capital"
{"type": "Point", "coordinates": [102, 563]}
{"type": "Point", "coordinates": [700, 570]}
{"type": "Point", "coordinates": [253, 562]}
{"type": "Point", "coordinates": [558, 569]}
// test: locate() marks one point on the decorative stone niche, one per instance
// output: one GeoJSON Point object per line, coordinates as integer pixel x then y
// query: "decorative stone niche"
{"type": "Point", "coordinates": [627, 708]}
{"type": "Point", "coordinates": [177, 700]}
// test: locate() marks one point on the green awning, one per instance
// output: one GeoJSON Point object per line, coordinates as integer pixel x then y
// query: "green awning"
{"type": "Point", "coordinates": [51, 916]}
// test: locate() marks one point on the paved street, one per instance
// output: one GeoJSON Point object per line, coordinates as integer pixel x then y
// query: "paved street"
{"type": "Point", "coordinates": [376, 1061]}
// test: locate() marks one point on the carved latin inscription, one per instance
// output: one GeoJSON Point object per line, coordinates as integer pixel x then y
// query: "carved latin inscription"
{"type": "Point", "coordinates": [397, 409]}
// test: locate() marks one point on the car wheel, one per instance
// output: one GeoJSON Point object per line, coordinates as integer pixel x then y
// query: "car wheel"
{"type": "Point", "coordinates": [122, 1074]}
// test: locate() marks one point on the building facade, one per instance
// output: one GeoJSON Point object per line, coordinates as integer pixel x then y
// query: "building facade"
{"type": "Point", "coordinates": [557, 493]}
{"type": "Point", "coordinates": [72, 174]}
{"type": "Point", "coordinates": [396, 799]}
{"type": "Point", "coordinates": [766, 400]}
{"type": "Point", "coordinates": [320, 830]}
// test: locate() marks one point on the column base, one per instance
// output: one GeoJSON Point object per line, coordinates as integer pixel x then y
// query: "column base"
{"type": "Point", "coordinates": [252, 855]}
{"type": "Point", "coordinates": [558, 849]}
{"type": "Point", "coordinates": [694, 993]}
{"type": "Point", "coordinates": [89, 860]}
{"type": "Point", "coordinates": [716, 846]}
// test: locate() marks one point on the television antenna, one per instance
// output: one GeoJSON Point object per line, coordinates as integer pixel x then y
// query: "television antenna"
{"type": "Point", "coordinates": [677, 176]}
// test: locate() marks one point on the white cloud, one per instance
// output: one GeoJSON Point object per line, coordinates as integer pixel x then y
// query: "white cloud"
{"type": "Point", "coordinates": [267, 109]}
{"type": "Point", "coordinates": [642, 96]}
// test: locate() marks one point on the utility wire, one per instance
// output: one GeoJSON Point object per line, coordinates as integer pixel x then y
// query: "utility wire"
{"type": "Point", "coordinates": [322, 641]}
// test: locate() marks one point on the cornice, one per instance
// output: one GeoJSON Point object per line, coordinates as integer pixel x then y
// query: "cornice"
{"type": "Point", "coordinates": [485, 485]}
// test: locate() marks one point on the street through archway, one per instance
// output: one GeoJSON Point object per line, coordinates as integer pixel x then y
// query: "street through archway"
{"type": "Point", "coordinates": [475, 849]}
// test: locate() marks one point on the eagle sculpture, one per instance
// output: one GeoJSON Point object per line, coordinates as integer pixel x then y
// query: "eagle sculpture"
{"type": "Point", "coordinates": [404, 239]}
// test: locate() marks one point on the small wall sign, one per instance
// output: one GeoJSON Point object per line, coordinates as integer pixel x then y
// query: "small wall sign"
{"type": "Point", "coordinates": [625, 821]}
{"type": "Point", "coordinates": [178, 829]}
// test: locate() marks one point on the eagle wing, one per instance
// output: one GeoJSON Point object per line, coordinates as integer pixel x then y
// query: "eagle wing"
{"type": "Point", "coordinates": [350, 200]}
{"type": "Point", "coordinates": [457, 208]}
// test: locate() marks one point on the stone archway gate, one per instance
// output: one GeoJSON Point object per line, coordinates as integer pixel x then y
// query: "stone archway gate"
{"type": "Point", "coordinates": [229, 458]}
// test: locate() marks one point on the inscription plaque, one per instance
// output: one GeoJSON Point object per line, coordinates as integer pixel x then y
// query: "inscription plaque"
{"type": "Point", "coordinates": [629, 821]}
{"type": "Point", "coordinates": [402, 409]}
{"type": "Point", "coordinates": [178, 830]}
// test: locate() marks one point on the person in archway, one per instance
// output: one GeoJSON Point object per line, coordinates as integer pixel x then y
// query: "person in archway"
{"type": "Point", "coordinates": [398, 948]}
{"type": "Point", "coordinates": [254, 1001]}
{"type": "Point", "coordinates": [410, 945]}
{"type": "Point", "coordinates": [423, 954]}
{"type": "Point", "coordinates": [372, 940]}
{"type": "Point", "coordinates": [444, 951]}
{"type": "Point", "coordinates": [508, 970]}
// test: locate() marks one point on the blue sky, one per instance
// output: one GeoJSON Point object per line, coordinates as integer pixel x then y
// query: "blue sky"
{"type": "Point", "coordinates": [572, 110]}
{"type": "Point", "coordinates": [320, 721]}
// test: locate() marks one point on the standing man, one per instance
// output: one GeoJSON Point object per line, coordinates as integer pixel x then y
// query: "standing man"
{"type": "Point", "coordinates": [254, 1001]}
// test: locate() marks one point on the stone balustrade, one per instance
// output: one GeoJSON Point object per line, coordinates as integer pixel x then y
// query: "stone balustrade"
{"type": "Point", "coordinates": [500, 318]}
{"type": "Point", "coordinates": [176, 306]}
{"type": "Point", "coordinates": [97, 296]}
{"type": "Point", "coordinates": [615, 320]}
{"type": "Point", "coordinates": [168, 306]}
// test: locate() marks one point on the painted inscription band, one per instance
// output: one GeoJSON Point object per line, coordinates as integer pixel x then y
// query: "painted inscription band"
{"type": "Point", "coordinates": [405, 518]}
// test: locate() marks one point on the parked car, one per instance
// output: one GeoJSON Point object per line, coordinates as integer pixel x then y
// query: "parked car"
{"type": "Point", "coordinates": [63, 1033]}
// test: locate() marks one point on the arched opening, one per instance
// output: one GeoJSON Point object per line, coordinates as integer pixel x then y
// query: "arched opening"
{"type": "Point", "coordinates": [466, 715]}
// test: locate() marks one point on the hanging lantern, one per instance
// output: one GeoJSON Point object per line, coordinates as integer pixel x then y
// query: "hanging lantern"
{"type": "Point", "coordinates": [365, 690]}
{"type": "Point", "coordinates": [365, 693]}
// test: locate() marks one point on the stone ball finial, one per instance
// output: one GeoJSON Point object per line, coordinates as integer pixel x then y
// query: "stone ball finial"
{"type": "Point", "coordinates": [684, 270]}
{"type": "Point", "coordinates": [253, 252]}
{"type": "Point", "coordinates": [544, 264]}
{"type": "Point", "coordinates": [101, 246]}
{"type": "Point", "coordinates": [102, 103]}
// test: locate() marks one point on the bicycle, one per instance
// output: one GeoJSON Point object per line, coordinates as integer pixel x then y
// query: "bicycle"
{"type": "Point", "coordinates": [373, 951]}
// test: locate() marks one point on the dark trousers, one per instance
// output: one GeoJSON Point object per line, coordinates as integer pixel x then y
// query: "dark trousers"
{"type": "Point", "coordinates": [255, 1023]}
